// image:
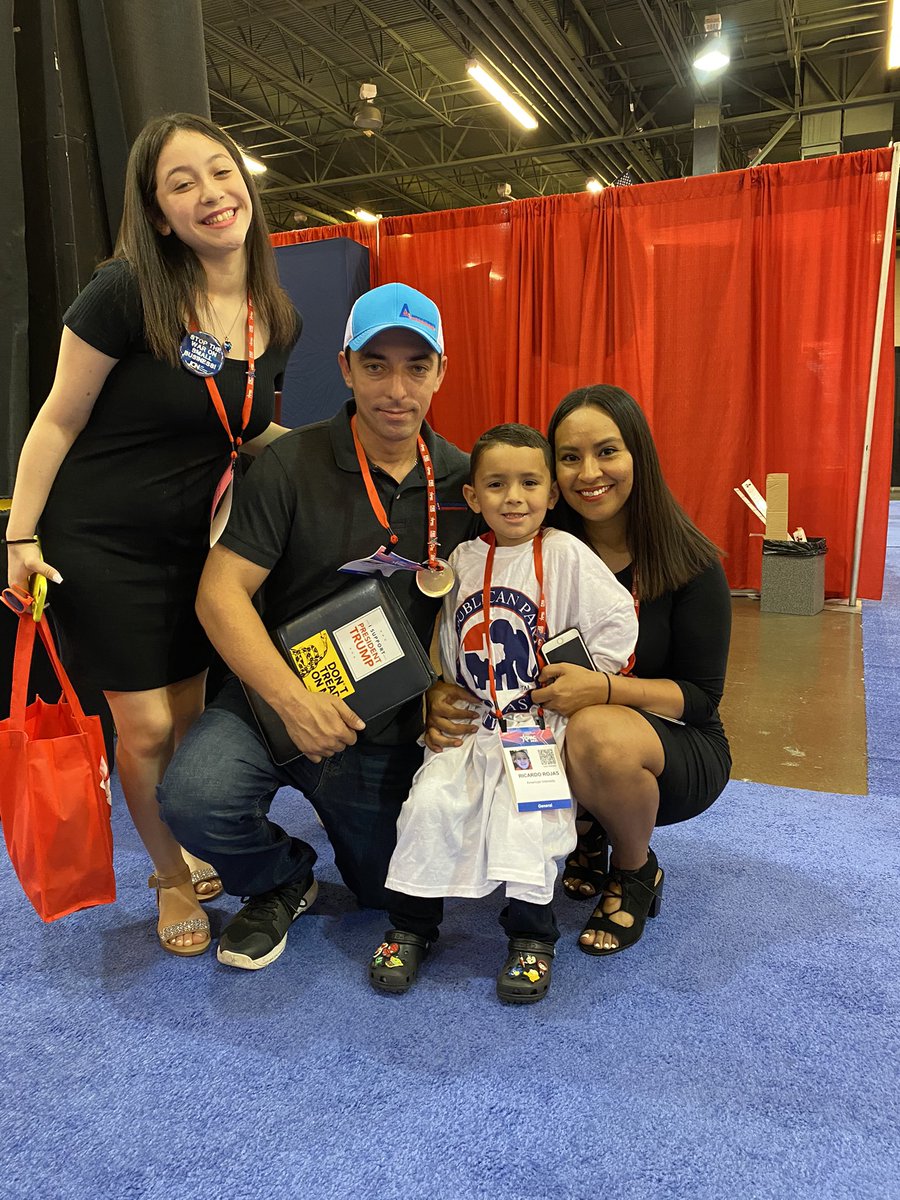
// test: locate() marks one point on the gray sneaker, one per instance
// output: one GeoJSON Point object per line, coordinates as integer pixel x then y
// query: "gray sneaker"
{"type": "Point", "coordinates": [258, 934]}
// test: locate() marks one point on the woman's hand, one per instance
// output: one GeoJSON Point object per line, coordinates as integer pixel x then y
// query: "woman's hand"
{"type": "Point", "coordinates": [24, 561]}
{"type": "Point", "coordinates": [449, 710]}
{"type": "Point", "coordinates": [566, 688]}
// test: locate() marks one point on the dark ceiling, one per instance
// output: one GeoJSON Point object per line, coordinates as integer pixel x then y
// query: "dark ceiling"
{"type": "Point", "coordinates": [610, 82]}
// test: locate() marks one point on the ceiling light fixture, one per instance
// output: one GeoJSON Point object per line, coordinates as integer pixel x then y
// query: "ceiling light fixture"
{"type": "Point", "coordinates": [593, 185]}
{"type": "Point", "coordinates": [366, 217]}
{"type": "Point", "coordinates": [366, 116]}
{"type": "Point", "coordinates": [893, 37]}
{"type": "Point", "coordinates": [253, 165]}
{"type": "Point", "coordinates": [501, 95]}
{"type": "Point", "coordinates": [714, 54]}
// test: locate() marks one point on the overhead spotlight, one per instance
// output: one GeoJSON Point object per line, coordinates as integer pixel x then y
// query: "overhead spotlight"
{"type": "Point", "coordinates": [501, 95]}
{"type": "Point", "coordinates": [504, 190]}
{"type": "Point", "coordinates": [714, 54]}
{"type": "Point", "coordinates": [366, 116]}
{"type": "Point", "coordinates": [593, 185]}
{"type": "Point", "coordinates": [366, 217]}
{"type": "Point", "coordinates": [253, 165]}
{"type": "Point", "coordinates": [299, 217]}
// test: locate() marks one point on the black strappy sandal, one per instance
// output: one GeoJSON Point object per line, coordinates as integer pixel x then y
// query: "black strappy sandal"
{"type": "Point", "coordinates": [639, 893]}
{"type": "Point", "coordinates": [588, 864]}
{"type": "Point", "coordinates": [396, 962]}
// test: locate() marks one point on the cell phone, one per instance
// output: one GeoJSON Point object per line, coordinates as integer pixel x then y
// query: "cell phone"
{"type": "Point", "coordinates": [568, 647]}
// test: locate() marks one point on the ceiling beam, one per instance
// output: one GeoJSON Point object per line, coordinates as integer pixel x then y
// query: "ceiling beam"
{"type": "Point", "coordinates": [565, 147]}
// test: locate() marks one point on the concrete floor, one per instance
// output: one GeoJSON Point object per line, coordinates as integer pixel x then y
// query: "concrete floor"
{"type": "Point", "coordinates": [794, 705]}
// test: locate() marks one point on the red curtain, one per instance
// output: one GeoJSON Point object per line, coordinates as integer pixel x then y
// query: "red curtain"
{"type": "Point", "coordinates": [739, 309]}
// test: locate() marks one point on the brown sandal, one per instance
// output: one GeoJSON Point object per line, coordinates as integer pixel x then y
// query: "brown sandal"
{"type": "Point", "coordinates": [193, 925]}
{"type": "Point", "coordinates": [207, 875]}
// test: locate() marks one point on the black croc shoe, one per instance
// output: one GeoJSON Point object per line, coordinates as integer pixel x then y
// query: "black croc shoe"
{"type": "Point", "coordinates": [526, 974]}
{"type": "Point", "coordinates": [395, 964]}
{"type": "Point", "coordinates": [636, 892]}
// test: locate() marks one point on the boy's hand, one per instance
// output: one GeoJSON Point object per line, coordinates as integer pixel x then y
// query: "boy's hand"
{"type": "Point", "coordinates": [449, 710]}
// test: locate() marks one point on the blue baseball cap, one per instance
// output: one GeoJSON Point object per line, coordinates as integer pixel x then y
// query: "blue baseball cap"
{"type": "Point", "coordinates": [393, 306]}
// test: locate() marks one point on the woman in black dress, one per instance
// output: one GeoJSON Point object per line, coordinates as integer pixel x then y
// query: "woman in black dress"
{"type": "Point", "coordinates": [646, 748]}
{"type": "Point", "coordinates": [123, 460]}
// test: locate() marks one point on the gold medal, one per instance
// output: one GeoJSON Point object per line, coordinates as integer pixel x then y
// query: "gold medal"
{"type": "Point", "coordinates": [436, 582]}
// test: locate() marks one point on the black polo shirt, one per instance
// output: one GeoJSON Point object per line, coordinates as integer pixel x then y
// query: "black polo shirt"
{"type": "Point", "coordinates": [302, 511]}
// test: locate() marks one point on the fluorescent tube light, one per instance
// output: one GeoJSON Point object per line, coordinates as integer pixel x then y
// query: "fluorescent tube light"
{"type": "Point", "coordinates": [253, 165]}
{"type": "Point", "coordinates": [368, 218]}
{"type": "Point", "coordinates": [501, 95]}
{"type": "Point", "coordinates": [893, 37]}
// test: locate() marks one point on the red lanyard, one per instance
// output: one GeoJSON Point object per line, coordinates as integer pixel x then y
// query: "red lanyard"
{"type": "Point", "coordinates": [540, 629]}
{"type": "Point", "coordinates": [216, 397]}
{"type": "Point", "coordinates": [378, 507]}
{"type": "Point", "coordinates": [629, 666]}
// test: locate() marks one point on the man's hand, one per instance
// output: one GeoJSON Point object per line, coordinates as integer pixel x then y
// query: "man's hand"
{"type": "Point", "coordinates": [567, 688]}
{"type": "Point", "coordinates": [319, 724]}
{"type": "Point", "coordinates": [449, 710]}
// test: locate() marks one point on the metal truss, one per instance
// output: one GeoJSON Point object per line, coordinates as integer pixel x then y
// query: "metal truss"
{"type": "Point", "coordinates": [284, 78]}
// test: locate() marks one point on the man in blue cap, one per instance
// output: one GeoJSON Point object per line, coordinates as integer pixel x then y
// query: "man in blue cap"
{"type": "Point", "coordinates": [373, 476]}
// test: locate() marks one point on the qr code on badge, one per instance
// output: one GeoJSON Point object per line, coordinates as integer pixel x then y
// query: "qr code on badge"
{"type": "Point", "coordinates": [548, 758]}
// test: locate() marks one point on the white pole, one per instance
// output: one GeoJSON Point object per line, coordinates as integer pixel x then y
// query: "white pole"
{"type": "Point", "coordinates": [888, 249]}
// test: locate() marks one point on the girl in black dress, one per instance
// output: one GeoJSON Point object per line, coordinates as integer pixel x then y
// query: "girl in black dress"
{"type": "Point", "coordinates": [124, 457]}
{"type": "Point", "coordinates": [648, 748]}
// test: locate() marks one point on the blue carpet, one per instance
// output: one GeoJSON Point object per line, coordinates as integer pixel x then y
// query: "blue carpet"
{"type": "Point", "coordinates": [746, 1048]}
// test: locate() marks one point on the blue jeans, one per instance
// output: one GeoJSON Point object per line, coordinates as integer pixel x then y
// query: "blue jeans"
{"type": "Point", "coordinates": [217, 792]}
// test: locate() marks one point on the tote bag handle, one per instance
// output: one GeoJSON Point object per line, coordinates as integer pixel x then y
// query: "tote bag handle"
{"type": "Point", "coordinates": [22, 666]}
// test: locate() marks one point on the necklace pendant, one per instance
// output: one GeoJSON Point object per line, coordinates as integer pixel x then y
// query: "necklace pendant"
{"type": "Point", "coordinates": [226, 346]}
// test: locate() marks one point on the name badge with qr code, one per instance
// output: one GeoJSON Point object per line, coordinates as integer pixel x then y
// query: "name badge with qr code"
{"type": "Point", "coordinates": [534, 768]}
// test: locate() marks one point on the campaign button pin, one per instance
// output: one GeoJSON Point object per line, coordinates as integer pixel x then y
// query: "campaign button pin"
{"type": "Point", "coordinates": [201, 354]}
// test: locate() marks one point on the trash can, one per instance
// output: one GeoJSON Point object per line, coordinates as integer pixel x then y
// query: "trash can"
{"type": "Point", "coordinates": [793, 577]}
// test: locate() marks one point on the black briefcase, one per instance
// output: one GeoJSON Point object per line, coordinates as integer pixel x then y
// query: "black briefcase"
{"type": "Point", "coordinates": [358, 645]}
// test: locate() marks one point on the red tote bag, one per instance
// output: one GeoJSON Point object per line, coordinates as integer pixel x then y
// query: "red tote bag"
{"type": "Point", "coordinates": [54, 796]}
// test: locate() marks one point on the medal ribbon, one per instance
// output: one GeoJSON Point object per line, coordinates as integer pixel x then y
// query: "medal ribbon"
{"type": "Point", "coordinates": [540, 630]}
{"type": "Point", "coordinates": [216, 397]}
{"type": "Point", "coordinates": [378, 507]}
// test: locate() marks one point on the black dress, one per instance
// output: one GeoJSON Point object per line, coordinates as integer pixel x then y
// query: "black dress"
{"type": "Point", "coordinates": [127, 520]}
{"type": "Point", "coordinates": [684, 636]}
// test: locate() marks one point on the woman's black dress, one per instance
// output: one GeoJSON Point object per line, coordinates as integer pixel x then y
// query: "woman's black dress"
{"type": "Point", "coordinates": [127, 520]}
{"type": "Point", "coordinates": [684, 636]}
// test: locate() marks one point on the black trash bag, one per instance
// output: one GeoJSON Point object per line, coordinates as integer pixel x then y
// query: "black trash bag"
{"type": "Point", "coordinates": [807, 549]}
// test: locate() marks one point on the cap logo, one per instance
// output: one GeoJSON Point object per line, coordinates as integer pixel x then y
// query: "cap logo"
{"type": "Point", "coordinates": [408, 316]}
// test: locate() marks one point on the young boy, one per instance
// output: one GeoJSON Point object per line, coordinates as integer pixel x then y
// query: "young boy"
{"type": "Point", "coordinates": [460, 832]}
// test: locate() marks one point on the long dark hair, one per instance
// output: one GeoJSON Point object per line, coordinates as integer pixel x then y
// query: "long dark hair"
{"type": "Point", "coordinates": [667, 548]}
{"type": "Point", "coordinates": [168, 272]}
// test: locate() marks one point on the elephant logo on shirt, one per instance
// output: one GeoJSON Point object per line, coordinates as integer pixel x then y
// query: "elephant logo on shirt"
{"type": "Point", "coordinates": [511, 653]}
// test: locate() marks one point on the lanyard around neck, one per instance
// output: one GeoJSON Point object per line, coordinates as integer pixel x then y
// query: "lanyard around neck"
{"type": "Point", "coordinates": [375, 501]}
{"type": "Point", "coordinates": [540, 629]}
{"type": "Point", "coordinates": [216, 397]}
